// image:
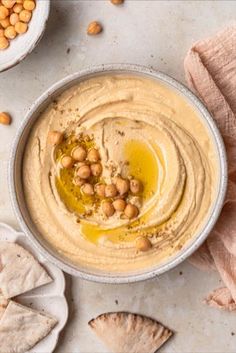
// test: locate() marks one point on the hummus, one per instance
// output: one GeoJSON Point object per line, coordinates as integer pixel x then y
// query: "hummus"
{"type": "Point", "coordinates": [142, 129]}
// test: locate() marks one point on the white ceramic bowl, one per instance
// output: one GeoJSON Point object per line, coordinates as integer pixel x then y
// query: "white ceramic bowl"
{"type": "Point", "coordinates": [23, 44]}
{"type": "Point", "coordinates": [16, 187]}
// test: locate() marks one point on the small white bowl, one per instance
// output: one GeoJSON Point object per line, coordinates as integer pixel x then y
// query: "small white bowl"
{"type": "Point", "coordinates": [23, 44]}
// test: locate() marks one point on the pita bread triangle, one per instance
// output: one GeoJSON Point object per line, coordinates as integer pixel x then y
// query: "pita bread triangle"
{"type": "Point", "coordinates": [21, 328]}
{"type": "Point", "coordinates": [130, 333]}
{"type": "Point", "coordinates": [19, 271]}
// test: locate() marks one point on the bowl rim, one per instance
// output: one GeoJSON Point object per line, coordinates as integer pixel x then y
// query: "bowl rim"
{"type": "Point", "coordinates": [17, 60]}
{"type": "Point", "coordinates": [216, 208]}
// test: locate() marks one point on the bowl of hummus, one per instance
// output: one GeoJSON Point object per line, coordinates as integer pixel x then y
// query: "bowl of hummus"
{"type": "Point", "coordinates": [118, 173]}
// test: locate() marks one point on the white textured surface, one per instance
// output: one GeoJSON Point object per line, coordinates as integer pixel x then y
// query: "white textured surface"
{"type": "Point", "coordinates": [152, 33]}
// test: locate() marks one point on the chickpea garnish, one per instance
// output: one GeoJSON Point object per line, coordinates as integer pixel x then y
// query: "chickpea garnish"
{"type": "Point", "coordinates": [87, 189]}
{"type": "Point", "coordinates": [8, 3]}
{"type": "Point", "coordinates": [94, 28]}
{"type": "Point", "coordinates": [96, 169]}
{"type": "Point", "coordinates": [110, 190]}
{"type": "Point", "coordinates": [122, 185]}
{"type": "Point", "coordinates": [100, 189]}
{"type": "Point", "coordinates": [21, 27]}
{"type": "Point", "coordinates": [5, 23]}
{"type": "Point", "coordinates": [108, 208]}
{"type": "Point", "coordinates": [131, 211]}
{"type": "Point", "coordinates": [29, 5]}
{"type": "Point", "coordinates": [4, 43]}
{"type": "Point", "coordinates": [67, 162]}
{"type": "Point", "coordinates": [119, 205]}
{"type": "Point", "coordinates": [93, 155]}
{"type": "Point", "coordinates": [25, 15]}
{"type": "Point", "coordinates": [78, 181]}
{"type": "Point", "coordinates": [4, 12]}
{"type": "Point", "coordinates": [55, 137]}
{"type": "Point", "coordinates": [10, 32]}
{"type": "Point", "coordinates": [143, 244]}
{"type": "Point", "coordinates": [79, 154]}
{"type": "Point", "coordinates": [135, 186]}
{"type": "Point", "coordinates": [5, 118]}
{"type": "Point", "coordinates": [17, 8]}
{"type": "Point", "coordinates": [84, 172]}
{"type": "Point", "coordinates": [14, 18]}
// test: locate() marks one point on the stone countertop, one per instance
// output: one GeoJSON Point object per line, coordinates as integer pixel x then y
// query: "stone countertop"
{"type": "Point", "coordinates": [152, 33]}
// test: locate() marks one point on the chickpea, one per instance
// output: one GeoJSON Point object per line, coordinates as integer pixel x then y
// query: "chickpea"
{"type": "Point", "coordinates": [100, 190]}
{"type": "Point", "coordinates": [4, 12]}
{"type": "Point", "coordinates": [5, 118]}
{"type": "Point", "coordinates": [1, 32]}
{"type": "Point", "coordinates": [4, 43]}
{"type": "Point", "coordinates": [110, 190]}
{"type": "Point", "coordinates": [29, 5]}
{"type": "Point", "coordinates": [25, 15]}
{"type": "Point", "coordinates": [55, 137]}
{"type": "Point", "coordinates": [87, 189]}
{"type": "Point", "coordinates": [143, 244]}
{"type": "Point", "coordinates": [122, 185]}
{"type": "Point", "coordinates": [135, 186]}
{"type": "Point", "coordinates": [5, 23]}
{"type": "Point", "coordinates": [8, 3]}
{"type": "Point", "coordinates": [84, 172]}
{"type": "Point", "coordinates": [19, 1]}
{"type": "Point", "coordinates": [96, 169]}
{"type": "Point", "coordinates": [17, 8]}
{"type": "Point", "coordinates": [78, 181]}
{"type": "Point", "coordinates": [14, 18]}
{"type": "Point", "coordinates": [21, 27]}
{"type": "Point", "coordinates": [79, 154]}
{"type": "Point", "coordinates": [67, 162]}
{"type": "Point", "coordinates": [119, 205]}
{"type": "Point", "coordinates": [131, 211]}
{"type": "Point", "coordinates": [108, 208]}
{"type": "Point", "coordinates": [117, 2]}
{"type": "Point", "coordinates": [93, 155]}
{"type": "Point", "coordinates": [10, 32]}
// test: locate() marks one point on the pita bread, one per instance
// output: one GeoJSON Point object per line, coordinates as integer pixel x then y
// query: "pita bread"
{"type": "Point", "coordinates": [21, 328]}
{"type": "Point", "coordinates": [130, 333]}
{"type": "Point", "coordinates": [3, 304]}
{"type": "Point", "coordinates": [20, 272]}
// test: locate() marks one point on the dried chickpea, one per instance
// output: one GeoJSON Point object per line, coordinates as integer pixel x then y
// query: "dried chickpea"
{"type": "Point", "coordinates": [117, 2]}
{"type": "Point", "coordinates": [108, 208]}
{"type": "Point", "coordinates": [143, 244]}
{"type": "Point", "coordinates": [8, 3]}
{"type": "Point", "coordinates": [17, 8]}
{"type": "Point", "coordinates": [5, 118]}
{"type": "Point", "coordinates": [4, 43]}
{"type": "Point", "coordinates": [21, 27]}
{"type": "Point", "coordinates": [25, 15]}
{"type": "Point", "coordinates": [55, 137]}
{"type": "Point", "coordinates": [14, 18]}
{"type": "Point", "coordinates": [1, 32]}
{"type": "Point", "coordinates": [67, 162]}
{"type": "Point", "coordinates": [29, 5]}
{"type": "Point", "coordinates": [19, 1]}
{"type": "Point", "coordinates": [131, 211]}
{"type": "Point", "coordinates": [119, 205]}
{"type": "Point", "coordinates": [94, 28]}
{"type": "Point", "coordinates": [4, 12]}
{"type": "Point", "coordinates": [110, 190]}
{"type": "Point", "coordinates": [10, 32]}
{"type": "Point", "coordinates": [5, 23]}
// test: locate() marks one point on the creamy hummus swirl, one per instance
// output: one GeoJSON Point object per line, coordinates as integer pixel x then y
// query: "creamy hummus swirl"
{"type": "Point", "coordinates": [141, 128]}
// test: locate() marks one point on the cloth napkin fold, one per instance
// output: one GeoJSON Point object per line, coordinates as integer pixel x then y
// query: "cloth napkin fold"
{"type": "Point", "coordinates": [210, 68]}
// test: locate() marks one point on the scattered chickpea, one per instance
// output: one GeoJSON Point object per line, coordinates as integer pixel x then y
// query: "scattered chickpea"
{"type": "Point", "coordinates": [4, 43]}
{"type": "Point", "coordinates": [5, 118]}
{"type": "Point", "coordinates": [93, 155]}
{"type": "Point", "coordinates": [55, 137]}
{"type": "Point", "coordinates": [84, 172]}
{"type": "Point", "coordinates": [25, 16]}
{"type": "Point", "coordinates": [131, 211]}
{"type": "Point", "coordinates": [110, 190]}
{"type": "Point", "coordinates": [108, 208]}
{"type": "Point", "coordinates": [21, 27]}
{"type": "Point", "coordinates": [119, 205]}
{"type": "Point", "coordinates": [67, 162]}
{"type": "Point", "coordinates": [143, 244]}
{"type": "Point", "coordinates": [8, 3]}
{"type": "Point", "coordinates": [135, 186]}
{"type": "Point", "coordinates": [5, 23]}
{"type": "Point", "coordinates": [117, 2]}
{"type": "Point", "coordinates": [96, 169]}
{"type": "Point", "coordinates": [4, 12]}
{"type": "Point", "coordinates": [87, 189]}
{"type": "Point", "coordinates": [17, 8]}
{"type": "Point", "coordinates": [29, 5]}
{"type": "Point", "coordinates": [122, 185]}
{"type": "Point", "coordinates": [79, 154]}
{"type": "Point", "coordinates": [100, 190]}
{"type": "Point", "coordinates": [14, 18]}
{"type": "Point", "coordinates": [94, 28]}
{"type": "Point", "coordinates": [78, 181]}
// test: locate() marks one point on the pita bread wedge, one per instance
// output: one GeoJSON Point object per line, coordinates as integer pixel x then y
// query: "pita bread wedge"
{"type": "Point", "coordinates": [129, 333]}
{"type": "Point", "coordinates": [21, 328]}
{"type": "Point", "coordinates": [3, 304]}
{"type": "Point", "coordinates": [19, 272]}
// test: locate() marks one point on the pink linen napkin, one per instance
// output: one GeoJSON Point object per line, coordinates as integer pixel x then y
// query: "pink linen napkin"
{"type": "Point", "coordinates": [210, 67]}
